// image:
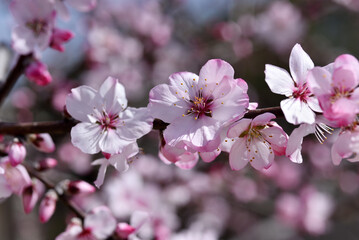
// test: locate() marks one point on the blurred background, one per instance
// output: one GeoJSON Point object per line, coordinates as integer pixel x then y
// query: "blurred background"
{"type": "Point", "coordinates": [142, 43]}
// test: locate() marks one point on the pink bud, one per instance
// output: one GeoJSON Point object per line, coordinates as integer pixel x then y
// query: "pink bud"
{"type": "Point", "coordinates": [29, 198]}
{"type": "Point", "coordinates": [59, 37]}
{"type": "Point", "coordinates": [17, 153]}
{"type": "Point", "coordinates": [46, 163]}
{"type": "Point", "coordinates": [37, 72]}
{"type": "Point", "coordinates": [43, 142]}
{"type": "Point", "coordinates": [47, 206]}
{"type": "Point", "coordinates": [80, 187]}
{"type": "Point", "coordinates": [123, 230]}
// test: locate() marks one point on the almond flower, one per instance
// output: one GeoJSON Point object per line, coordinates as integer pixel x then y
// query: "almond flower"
{"type": "Point", "coordinates": [98, 224]}
{"type": "Point", "coordinates": [258, 141]}
{"type": "Point", "coordinates": [301, 104]}
{"type": "Point", "coordinates": [336, 88]}
{"type": "Point", "coordinates": [35, 21]}
{"type": "Point", "coordinates": [198, 107]}
{"type": "Point", "coordinates": [107, 124]}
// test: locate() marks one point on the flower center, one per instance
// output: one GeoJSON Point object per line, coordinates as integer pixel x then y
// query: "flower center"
{"type": "Point", "coordinates": [37, 26]}
{"type": "Point", "coordinates": [200, 106]}
{"type": "Point", "coordinates": [340, 93]}
{"type": "Point", "coordinates": [108, 121]}
{"type": "Point", "coordinates": [302, 92]}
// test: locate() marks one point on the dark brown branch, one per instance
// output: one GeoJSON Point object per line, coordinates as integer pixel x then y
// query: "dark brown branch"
{"type": "Point", "coordinates": [14, 74]}
{"type": "Point", "coordinates": [62, 196]}
{"type": "Point", "coordinates": [61, 127]}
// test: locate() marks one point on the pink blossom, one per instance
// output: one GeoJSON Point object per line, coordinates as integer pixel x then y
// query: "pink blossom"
{"type": "Point", "coordinates": [198, 107]}
{"type": "Point", "coordinates": [59, 37]}
{"type": "Point", "coordinates": [259, 140]}
{"type": "Point", "coordinates": [335, 87]}
{"type": "Point", "coordinates": [12, 179]}
{"type": "Point", "coordinates": [17, 153]}
{"type": "Point", "coordinates": [179, 156]}
{"type": "Point", "coordinates": [138, 219]}
{"type": "Point", "coordinates": [42, 142]}
{"type": "Point", "coordinates": [98, 224]}
{"type": "Point", "coordinates": [118, 161]}
{"type": "Point", "coordinates": [38, 73]}
{"type": "Point", "coordinates": [346, 145]}
{"type": "Point", "coordinates": [300, 105]}
{"type": "Point", "coordinates": [280, 26]}
{"type": "Point", "coordinates": [107, 124]}
{"type": "Point", "coordinates": [47, 206]}
{"type": "Point", "coordinates": [35, 20]}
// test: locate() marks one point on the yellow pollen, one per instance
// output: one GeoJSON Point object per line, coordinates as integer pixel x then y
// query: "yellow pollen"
{"type": "Point", "coordinates": [182, 97]}
{"type": "Point", "coordinates": [205, 79]}
{"type": "Point", "coordinates": [201, 88]}
{"type": "Point", "coordinates": [182, 115]}
{"type": "Point", "coordinates": [217, 83]}
{"type": "Point", "coordinates": [205, 85]}
{"type": "Point", "coordinates": [222, 94]}
{"type": "Point", "coordinates": [185, 91]}
{"type": "Point", "coordinates": [176, 92]}
{"type": "Point", "coordinates": [221, 102]}
{"type": "Point", "coordinates": [218, 149]}
{"type": "Point", "coordinates": [226, 140]}
{"type": "Point", "coordinates": [269, 148]}
{"type": "Point", "coordinates": [192, 86]}
{"type": "Point", "coordinates": [181, 83]}
{"type": "Point", "coordinates": [194, 79]}
{"type": "Point", "coordinates": [174, 104]}
{"type": "Point", "coordinates": [195, 118]}
{"type": "Point", "coordinates": [232, 140]}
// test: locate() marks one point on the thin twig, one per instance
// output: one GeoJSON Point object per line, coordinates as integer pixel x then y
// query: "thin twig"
{"type": "Point", "coordinates": [14, 74]}
{"type": "Point", "coordinates": [61, 127]}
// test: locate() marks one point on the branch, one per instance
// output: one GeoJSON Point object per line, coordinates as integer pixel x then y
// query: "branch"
{"type": "Point", "coordinates": [61, 127]}
{"type": "Point", "coordinates": [14, 74]}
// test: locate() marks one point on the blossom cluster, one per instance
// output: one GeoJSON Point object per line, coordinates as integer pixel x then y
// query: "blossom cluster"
{"type": "Point", "coordinates": [205, 116]}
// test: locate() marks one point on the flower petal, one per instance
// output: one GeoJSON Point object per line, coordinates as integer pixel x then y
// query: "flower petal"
{"type": "Point", "coordinates": [297, 111]}
{"type": "Point", "coordinates": [86, 137]}
{"type": "Point", "coordinates": [81, 101]}
{"type": "Point", "coordinates": [319, 81]}
{"type": "Point", "coordinates": [237, 157]}
{"type": "Point", "coordinates": [113, 92]}
{"type": "Point", "coordinates": [101, 222]}
{"type": "Point", "coordinates": [138, 122]}
{"type": "Point", "coordinates": [294, 145]}
{"type": "Point", "coordinates": [239, 127]}
{"type": "Point", "coordinates": [299, 64]}
{"type": "Point", "coordinates": [279, 80]}
{"type": "Point", "coordinates": [165, 104]}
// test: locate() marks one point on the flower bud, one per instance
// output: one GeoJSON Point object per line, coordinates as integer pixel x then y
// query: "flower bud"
{"type": "Point", "coordinates": [43, 142]}
{"type": "Point", "coordinates": [48, 206]}
{"type": "Point", "coordinates": [37, 72]}
{"type": "Point", "coordinates": [17, 153]}
{"type": "Point", "coordinates": [46, 164]}
{"type": "Point", "coordinates": [29, 198]}
{"type": "Point", "coordinates": [59, 37]}
{"type": "Point", "coordinates": [123, 230]}
{"type": "Point", "coordinates": [80, 187]}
